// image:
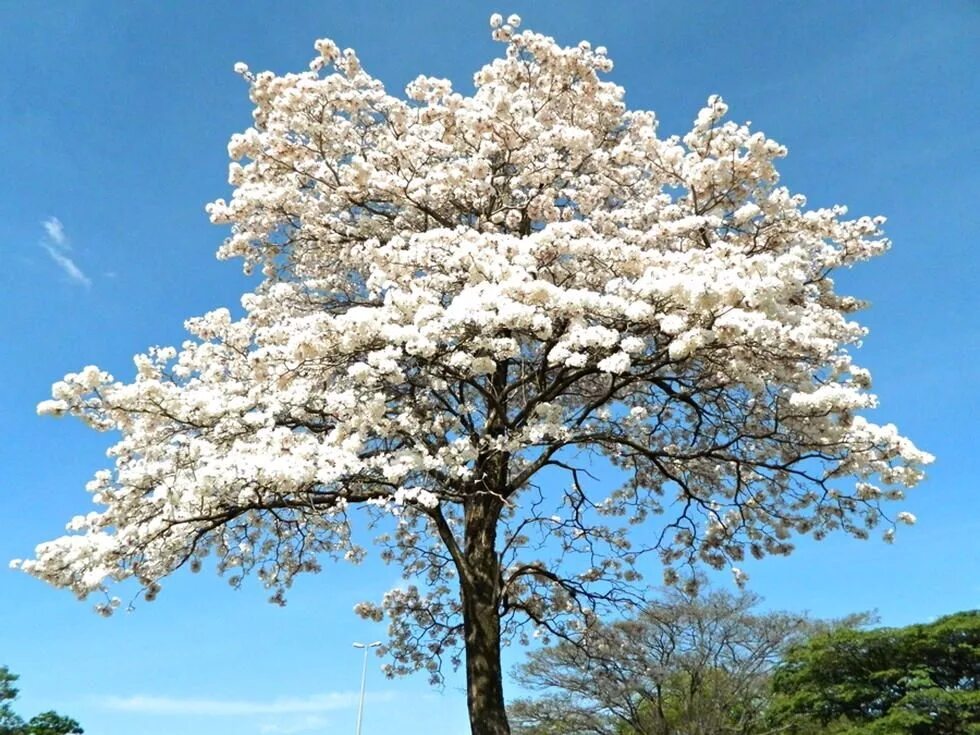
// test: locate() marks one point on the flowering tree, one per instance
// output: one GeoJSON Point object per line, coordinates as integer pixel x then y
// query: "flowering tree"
{"type": "Point", "coordinates": [465, 298]}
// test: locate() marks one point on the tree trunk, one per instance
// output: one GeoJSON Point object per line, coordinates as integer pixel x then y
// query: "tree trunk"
{"type": "Point", "coordinates": [480, 591]}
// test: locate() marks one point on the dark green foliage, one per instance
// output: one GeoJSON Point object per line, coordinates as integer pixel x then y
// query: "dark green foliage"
{"type": "Point", "coordinates": [46, 723]}
{"type": "Point", "coordinates": [917, 680]}
{"type": "Point", "coordinates": [9, 721]}
{"type": "Point", "coordinates": [51, 723]}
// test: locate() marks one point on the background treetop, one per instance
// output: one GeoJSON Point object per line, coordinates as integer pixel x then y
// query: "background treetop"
{"type": "Point", "coordinates": [919, 679]}
{"type": "Point", "coordinates": [680, 666]}
{"type": "Point", "coordinates": [46, 723]}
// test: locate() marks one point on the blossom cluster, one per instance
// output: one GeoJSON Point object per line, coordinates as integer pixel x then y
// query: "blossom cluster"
{"type": "Point", "coordinates": [453, 282]}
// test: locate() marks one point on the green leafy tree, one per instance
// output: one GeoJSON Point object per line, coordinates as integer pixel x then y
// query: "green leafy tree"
{"type": "Point", "coordinates": [9, 721]}
{"type": "Point", "coordinates": [917, 680]}
{"type": "Point", "coordinates": [46, 723]}
{"type": "Point", "coordinates": [51, 723]}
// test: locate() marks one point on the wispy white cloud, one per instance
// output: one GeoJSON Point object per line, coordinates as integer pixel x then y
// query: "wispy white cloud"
{"type": "Point", "coordinates": [302, 724]}
{"type": "Point", "coordinates": [56, 231]}
{"type": "Point", "coordinates": [67, 265]}
{"type": "Point", "coordinates": [57, 245]}
{"type": "Point", "coordinates": [314, 703]}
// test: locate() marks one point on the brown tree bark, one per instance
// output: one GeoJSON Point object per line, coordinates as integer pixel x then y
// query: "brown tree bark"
{"type": "Point", "coordinates": [480, 591]}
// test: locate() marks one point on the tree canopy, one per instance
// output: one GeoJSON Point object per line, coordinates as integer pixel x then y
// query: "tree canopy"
{"type": "Point", "coordinates": [466, 300]}
{"type": "Point", "coordinates": [918, 680]}
{"type": "Point", "coordinates": [682, 666]}
{"type": "Point", "coordinates": [46, 723]}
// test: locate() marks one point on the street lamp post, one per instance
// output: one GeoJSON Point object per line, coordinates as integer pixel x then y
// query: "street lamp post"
{"type": "Point", "coordinates": [360, 705]}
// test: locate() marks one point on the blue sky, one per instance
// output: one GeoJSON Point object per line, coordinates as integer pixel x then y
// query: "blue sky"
{"type": "Point", "coordinates": [114, 117]}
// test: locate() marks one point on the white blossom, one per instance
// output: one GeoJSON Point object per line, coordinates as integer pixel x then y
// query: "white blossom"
{"type": "Point", "coordinates": [463, 298]}
{"type": "Point", "coordinates": [617, 363]}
